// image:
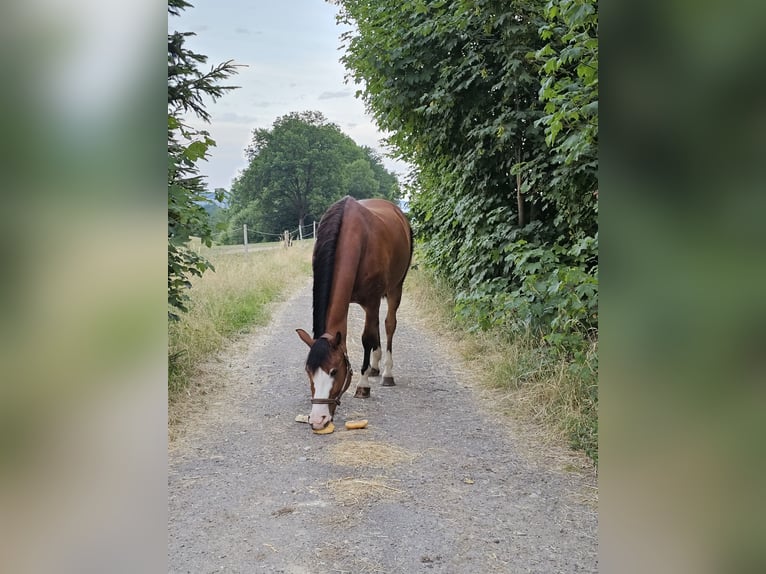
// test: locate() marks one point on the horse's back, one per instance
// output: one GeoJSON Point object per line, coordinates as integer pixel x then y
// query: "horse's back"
{"type": "Point", "coordinates": [392, 225]}
{"type": "Point", "coordinates": [391, 217]}
{"type": "Point", "coordinates": [387, 246]}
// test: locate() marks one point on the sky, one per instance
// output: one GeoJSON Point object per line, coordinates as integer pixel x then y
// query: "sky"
{"type": "Point", "coordinates": [292, 50]}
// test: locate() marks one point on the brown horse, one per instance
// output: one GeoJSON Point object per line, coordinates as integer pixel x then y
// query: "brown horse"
{"type": "Point", "coordinates": [362, 253]}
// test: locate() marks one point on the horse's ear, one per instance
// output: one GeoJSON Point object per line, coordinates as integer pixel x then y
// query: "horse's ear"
{"type": "Point", "coordinates": [337, 339]}
{"type": "Point", "coordinates": [305, 337]}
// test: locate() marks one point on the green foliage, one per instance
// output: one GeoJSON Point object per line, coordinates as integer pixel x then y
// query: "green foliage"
{"type": "Point", "coordinates": [569, 72]}
{"type": "Point", "coordinates": [187, 87]}
{"type": "Point", "coordinates": [360, 179]}
{"type": "Point", "coordinates": [297, 169]}
{"type": "Point", "coordinates": [479, 97]}
{"type": "Point", "coordinates": [388, 184]}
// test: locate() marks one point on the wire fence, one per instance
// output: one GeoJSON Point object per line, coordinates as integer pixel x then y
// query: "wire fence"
{"type": "Point", "coordinates": [299, 233]}
{"type": "Point", "coordinates": [258, 240]}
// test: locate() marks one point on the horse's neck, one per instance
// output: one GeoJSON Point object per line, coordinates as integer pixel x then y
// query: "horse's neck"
{"type": "Point", "coordinates": [343, 288]}
{"type": "Point", "coordinates": [340, 299]}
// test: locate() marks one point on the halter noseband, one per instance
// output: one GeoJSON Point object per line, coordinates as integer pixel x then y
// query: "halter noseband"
{"type": "Point", "coordinates": [346, 383]}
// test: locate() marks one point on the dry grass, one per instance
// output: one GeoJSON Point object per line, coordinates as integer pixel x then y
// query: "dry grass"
{"type": "Point", "coordinates": [230, 301]}
{"type": "Point", "coordinates": [539, 388]}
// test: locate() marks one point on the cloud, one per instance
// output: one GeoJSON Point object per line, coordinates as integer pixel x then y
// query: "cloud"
{"type": "Point", "coordinates": [242, 31]}
{"type": "Point", "coordinates": [330, 95]}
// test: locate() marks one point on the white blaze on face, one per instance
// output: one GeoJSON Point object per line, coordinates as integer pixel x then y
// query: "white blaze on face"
{"type": "Point", "coordinates": [322, 387]}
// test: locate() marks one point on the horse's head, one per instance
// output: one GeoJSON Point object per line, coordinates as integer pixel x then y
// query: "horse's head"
{"type": "Point", "coordinates": [329, 372]}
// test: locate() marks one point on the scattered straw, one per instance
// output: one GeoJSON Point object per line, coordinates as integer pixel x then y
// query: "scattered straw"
{"type": "Point", "coordinates": [352, 490]}
{"type": "Point", "coordinates": [358, 454]}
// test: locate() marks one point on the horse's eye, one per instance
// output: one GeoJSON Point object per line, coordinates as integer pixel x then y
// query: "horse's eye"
{"type": "Point", "coordinates": [333, 372]}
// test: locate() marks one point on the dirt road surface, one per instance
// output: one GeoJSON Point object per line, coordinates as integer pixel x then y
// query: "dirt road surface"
{"type": "Point", "coordinates": [435, 484]}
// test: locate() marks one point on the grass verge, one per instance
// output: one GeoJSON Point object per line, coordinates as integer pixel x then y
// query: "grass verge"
{"type": "Point", "coordinates": [230, 301]}
{"type": "Point", "coordinates": [558, 392]}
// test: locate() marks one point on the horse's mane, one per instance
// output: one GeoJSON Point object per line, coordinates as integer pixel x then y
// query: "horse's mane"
{"type": "Point", "coordinates": [323, 262]}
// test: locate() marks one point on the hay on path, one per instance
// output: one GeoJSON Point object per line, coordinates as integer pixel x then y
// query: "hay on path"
{"type": "Point", "coordinates": [352, 490]}
{"type": "Point", "coordinates": [364, 453]}
{"type": "Point", "coordinates": [357, 454]}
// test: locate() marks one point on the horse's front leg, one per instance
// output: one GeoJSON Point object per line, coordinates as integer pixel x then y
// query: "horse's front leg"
{"type": "Point", "coordinates": [371, 345]}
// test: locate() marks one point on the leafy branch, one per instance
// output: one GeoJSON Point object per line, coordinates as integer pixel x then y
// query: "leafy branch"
{"type": "Point", "coordinates": [187, 89]}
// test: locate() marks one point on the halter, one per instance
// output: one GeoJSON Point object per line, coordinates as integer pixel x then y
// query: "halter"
{"type": "Point", "coordinates": [346, 383]}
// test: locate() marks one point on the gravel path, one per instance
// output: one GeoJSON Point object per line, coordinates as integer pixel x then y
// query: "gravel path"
{"type": "Point", "coordinates": [435, 484]}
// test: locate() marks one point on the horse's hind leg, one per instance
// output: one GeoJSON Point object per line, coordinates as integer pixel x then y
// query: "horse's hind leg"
{"type": "Point", "coordinates": [394, 298]}
{"type": "Point", "coordinates": [371, 344]}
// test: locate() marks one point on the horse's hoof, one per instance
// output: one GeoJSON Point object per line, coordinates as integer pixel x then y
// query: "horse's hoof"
{"type": "Point", "coordinates": [362, 393]}
{"type": "Point", "coordinates": [374, 372]}
{"type": "Point", "coordinates": [388, 382]}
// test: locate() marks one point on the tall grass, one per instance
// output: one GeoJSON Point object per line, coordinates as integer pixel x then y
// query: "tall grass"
{"type": "Point", "coordinates": [229, 301]}
{"type": "Point", "coordinates": [559, 392]}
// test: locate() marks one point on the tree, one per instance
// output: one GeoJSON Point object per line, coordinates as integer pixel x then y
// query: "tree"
{"type": "Point", "coordinates": [187, 87]}
{"type": "Point", "coordinates": [498, 211]}
{"type": "Point", "coordinates": [388, 184]}
{"type": "Point", "coordinates": [298, 164]}
{"type": "Point", "coordinates": [297, 169]}
{"type": "Point", "coordinates": [360, 179]}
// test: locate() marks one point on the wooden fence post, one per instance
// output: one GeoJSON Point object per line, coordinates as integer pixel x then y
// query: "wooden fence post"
{"type": "Point", "coordinates": [244, 232]}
